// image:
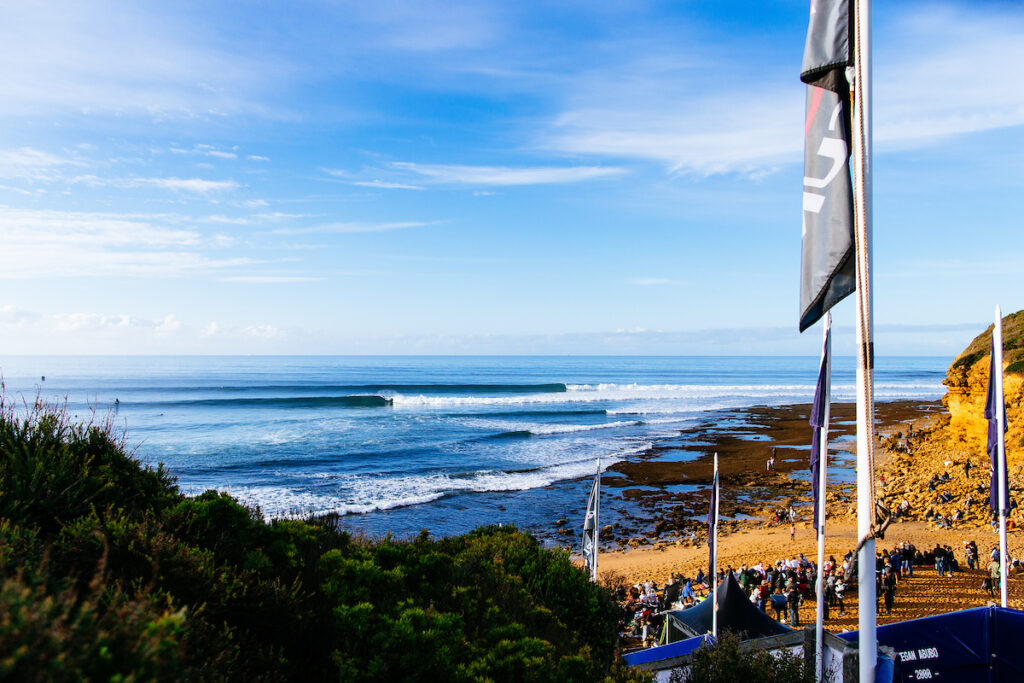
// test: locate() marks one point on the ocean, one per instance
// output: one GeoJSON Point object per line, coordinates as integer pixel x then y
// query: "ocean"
{"type": "Point", "coordinates": [397, 444]}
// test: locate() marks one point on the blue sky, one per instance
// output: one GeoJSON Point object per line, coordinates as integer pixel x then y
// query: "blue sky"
{"type": "Point", "coordinates": [484, 177]}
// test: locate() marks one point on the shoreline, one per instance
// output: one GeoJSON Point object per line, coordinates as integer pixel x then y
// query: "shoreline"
{"type": "Point", "coordinates": [754, 537]}
{"type": "Point", "coordinates": [661, 495]}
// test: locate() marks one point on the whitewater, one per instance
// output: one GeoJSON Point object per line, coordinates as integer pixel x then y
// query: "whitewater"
{"type": "Point", "coordinates": [400, 443]}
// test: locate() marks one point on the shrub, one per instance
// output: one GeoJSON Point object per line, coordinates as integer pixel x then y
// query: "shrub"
{"type": "Point", "coordinates": [726, 661]}
{"type": "Point", "coordinates": [107, 572]}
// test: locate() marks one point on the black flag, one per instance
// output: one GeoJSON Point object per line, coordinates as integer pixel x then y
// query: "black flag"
{"type": "Point", "coordinates": [712, 521]}
{"type": "Point", "coordinates": [817, 422]}
{"type": "Point", "coordinates": [827, 269]}
{"type": "Point", "coordinates": [993, 435]}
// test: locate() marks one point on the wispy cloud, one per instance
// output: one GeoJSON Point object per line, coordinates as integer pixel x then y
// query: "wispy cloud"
{"type": "Point", "coordinates": [29, 163]}
{"type": "Point", "coordinates": [39, 243]}
{"type": "Point", "coordinates": [352, 227]}
{"type": "Point", "coordinates": [269, 279]}
{"type": "Point", "coordinates": [195, 185]}
{"type": "Point", "coordinates": [925, 89]}
{"type": "Point", "coordinates": [655, 281]}
{"type": "Point", "coordinates": [125, 58]}
{"type": "Point", "coordinates": [200, 186]}
{"type": "Point", "coordinates": [385, 185]}
{"type": "Point", "coordinates": [504, 175]}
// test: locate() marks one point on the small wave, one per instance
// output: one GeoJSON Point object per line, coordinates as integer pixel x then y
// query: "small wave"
{"type": "Point", "coordinates": [439, 388]}
{"type": "Point", "coordinates": [361, 401]}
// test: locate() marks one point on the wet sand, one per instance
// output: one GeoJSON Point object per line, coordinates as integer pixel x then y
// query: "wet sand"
{"type": "Point", "coordinates": [670, 485]}
{"type": "Point", "coordinates": [662, 495]}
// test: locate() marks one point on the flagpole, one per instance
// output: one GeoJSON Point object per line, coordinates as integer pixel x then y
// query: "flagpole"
{"type": "Point", "coordinates": [866, 595]}
{"type": "Point", "coordinates": [997, 365]}
{"type": "Point", "coordinates": [714, 556]}
{"type": "Point", "coordinates": [819, 625]}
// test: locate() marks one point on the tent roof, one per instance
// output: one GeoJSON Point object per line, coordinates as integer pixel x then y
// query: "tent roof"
{"type": "Point", "coordinates": [735, 613]}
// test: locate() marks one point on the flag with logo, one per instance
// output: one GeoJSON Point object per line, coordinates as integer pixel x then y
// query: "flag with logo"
{"type": "Point", "coordinates": [590, 530]}
{"type": "Point", "coordinates": [992, 404]}
{"type": "Point", "coordinates": [827, 266]}
{"type": "Point", "coordinates": [712, 523]}
{"type": "Point", "coordinates": [817, 423]}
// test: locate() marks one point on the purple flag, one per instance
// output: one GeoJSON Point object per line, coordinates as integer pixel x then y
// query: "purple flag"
{"type": "Point", "coordinates": [712, 520]}
{"type": "Point", "coordinates": [817, 422]}
{"type": "Point", "coordinates": [993, 436]}
{"type": "Point", "coordinates": [827, 266]}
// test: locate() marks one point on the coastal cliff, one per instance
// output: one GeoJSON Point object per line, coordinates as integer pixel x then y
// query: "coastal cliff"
{"type": "Point", "coordinates": [952, 447]}
{"type": "Point", "coordinates": [967, 383]}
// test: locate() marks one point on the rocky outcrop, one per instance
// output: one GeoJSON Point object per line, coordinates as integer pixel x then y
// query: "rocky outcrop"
{"type": "Point", "coordinates": [967, 383]}
{"type": "Point", "coordinates": [952, 447]}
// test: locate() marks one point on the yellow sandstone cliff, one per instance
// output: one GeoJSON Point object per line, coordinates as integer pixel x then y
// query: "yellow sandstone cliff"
{"type": "Point", "coordinates": [943, 447]}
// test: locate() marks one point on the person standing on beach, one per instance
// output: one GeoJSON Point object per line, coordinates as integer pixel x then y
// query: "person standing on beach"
{"type": "Point", "coordinates": [771, 461]}
{"type": "Point", "coordinates": [889, 582]}
{"type": "Point", "coordinates": [792, 532]}
{"type": "Point", "coordinates": [793, 600]}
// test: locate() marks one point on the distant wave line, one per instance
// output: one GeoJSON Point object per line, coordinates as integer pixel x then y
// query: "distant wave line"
{"type": "Point", "coordinates": [360, 401]}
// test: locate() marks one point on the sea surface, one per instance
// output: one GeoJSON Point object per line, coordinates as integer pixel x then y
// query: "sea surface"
{"type": "Point", "coordinates": [396, 444]}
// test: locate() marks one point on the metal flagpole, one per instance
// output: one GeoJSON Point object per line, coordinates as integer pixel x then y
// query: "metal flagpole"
{"type": "Point", "coordinates": [866, 596]}
{"type": "Point", "coordinates": [714, 556]}
{"type": "Point", "coordinates": [997, 365]}
{"type": "Point", "coordinates": [819, 627]}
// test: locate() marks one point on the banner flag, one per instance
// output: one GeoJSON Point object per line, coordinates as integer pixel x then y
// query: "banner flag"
{"type": "Point", "coordinates": [590, 530]}
{"type": "Point", "coordinates": [817, 422]}
{"type": "Point", "coordinates": [991, 401]}
{"type": "Point", "coordinates": [712, 522]}
{"type": "Point", "coordinates": [827, 267]}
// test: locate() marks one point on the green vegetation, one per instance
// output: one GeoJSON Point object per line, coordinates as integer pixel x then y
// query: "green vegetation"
{"type": "Point", "coordinates": [108, 572]}
{"type": "Point", "coordinates": [1013, 345]}
{"type": "Point", "coordinates": [727, 661]}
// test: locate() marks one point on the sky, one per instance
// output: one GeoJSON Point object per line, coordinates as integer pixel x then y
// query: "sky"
{"type": "Point", "coordinates": [448, 177]}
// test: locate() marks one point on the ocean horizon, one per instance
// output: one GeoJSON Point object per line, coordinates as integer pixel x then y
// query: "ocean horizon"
{"type": "Point", "coordinates": [400, 443]}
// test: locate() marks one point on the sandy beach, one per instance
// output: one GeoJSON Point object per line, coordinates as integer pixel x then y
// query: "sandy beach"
{"type": "Point", "coordinates": [677, 543]}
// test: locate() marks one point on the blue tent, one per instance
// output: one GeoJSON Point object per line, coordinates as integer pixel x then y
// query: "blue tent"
{"type": "Point", "coordinates": [974, 645]}
{"type": "Point", "coordinates": [664, 652]}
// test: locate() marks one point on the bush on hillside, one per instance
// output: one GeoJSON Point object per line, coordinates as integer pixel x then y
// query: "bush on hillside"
{"type": "Point", "coordinates": [108, 572]}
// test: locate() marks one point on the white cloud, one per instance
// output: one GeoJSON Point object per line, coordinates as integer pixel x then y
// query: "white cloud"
{"type": "Point", "coordinates": [195, 185]}
{"type": "Point", "coordinates": [506, 176]}
{"type": "Point", "coordinates": [654, 281]}
{"type": "Point", "coordinates": [342, 227]}
{"type": "Point", "coordinates": [126, 58]}
{"type": "Point", "coordinates": [269, 279]}
{"type": "Point", "coordinates": [28, 163]}
{"type": "Point", "coordinates": [257, 157]}
{"type": "Point", "coordinates": [383, 184]}
{"type": "Point", "coordinates": [40, 243]}
{"type": "Point", "coordinates": [925, 88]}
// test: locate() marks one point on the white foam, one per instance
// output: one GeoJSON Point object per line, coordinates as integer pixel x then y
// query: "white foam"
{"type": "Point", "coordinates": [358, 494]}
{"type": "Point", "coordinates": [699, 394]}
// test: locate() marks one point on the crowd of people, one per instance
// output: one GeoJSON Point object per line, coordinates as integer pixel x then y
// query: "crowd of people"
{"type": "Point", "coordinates": [779, 589]}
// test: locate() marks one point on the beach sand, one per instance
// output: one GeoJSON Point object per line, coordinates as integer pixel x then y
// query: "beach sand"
{"type": "Point", "coordinates": [922, 595]}
{"type": "Point", "coordinates": [670, 534]}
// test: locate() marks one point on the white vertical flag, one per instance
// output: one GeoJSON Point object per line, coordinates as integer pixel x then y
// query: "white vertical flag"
{"type": "Point", "coordinates": [591, 530]}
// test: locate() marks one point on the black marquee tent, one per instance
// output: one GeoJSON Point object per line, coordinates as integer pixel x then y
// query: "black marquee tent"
{"type": "Point", "coordinates": [735, 614]}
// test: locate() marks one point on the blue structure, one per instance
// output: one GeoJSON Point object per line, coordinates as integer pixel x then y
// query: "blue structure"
{"type": "Point", "coordinates": [664, 652]}
{"type": "Point", "coordinates": [974, 646]}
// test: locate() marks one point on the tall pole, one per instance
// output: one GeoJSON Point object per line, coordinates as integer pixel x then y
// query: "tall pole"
{"type": "Point", "coordinates": [997, 365]}
{"type": "Point", "coordinates": [714, 556]}
{"type": "Point", "coordinates": [866, 596]}
{"type": "Point", "coordinates": [819, 625]}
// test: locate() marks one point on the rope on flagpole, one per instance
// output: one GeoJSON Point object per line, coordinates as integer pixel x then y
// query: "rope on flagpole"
{"type": "Point", "coordinates": [882, 516]}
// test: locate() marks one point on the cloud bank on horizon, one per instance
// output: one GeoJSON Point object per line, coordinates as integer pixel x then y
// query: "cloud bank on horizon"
{"type": "Point", "coordinates": [474, 177]}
